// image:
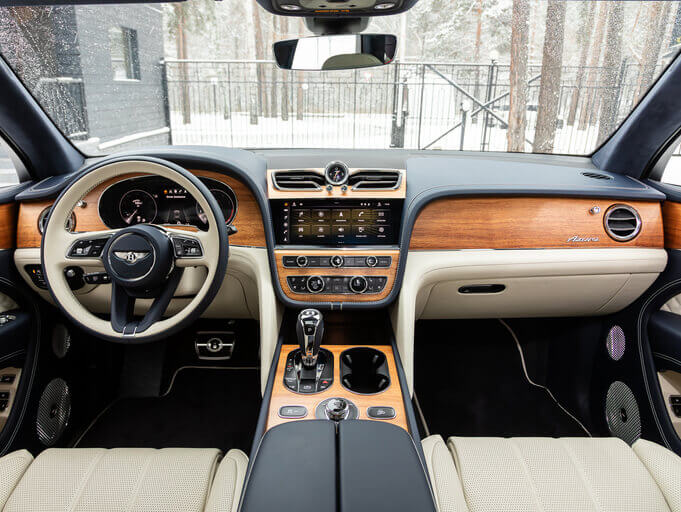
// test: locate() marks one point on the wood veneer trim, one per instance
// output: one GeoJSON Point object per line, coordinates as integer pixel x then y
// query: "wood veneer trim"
{"type": "Point", "coordinates": [527, 223]}
{"type": "Point", "coordinates": [391, 397]}
{"type": "Point", "coordinates": [248, 220]}
{"type": "Point", "coordinates": [671, 213]}
{"type": "Point", "coordinates": [284, 272]}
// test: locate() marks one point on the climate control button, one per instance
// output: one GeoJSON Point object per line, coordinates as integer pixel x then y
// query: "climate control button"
{"type": "Point", "coordinates": [371, 261]}
{"type": "Point", "coordinates": [358, 284]}
{"type": "Point", "coordinates": [337, 261]}
{"type": "Point", "coordinates": [301, 261]}
{"type": "Point", "coordinates": [315, 284]}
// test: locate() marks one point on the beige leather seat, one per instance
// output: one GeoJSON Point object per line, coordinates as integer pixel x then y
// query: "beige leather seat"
{"type": "Point", "coordinates": [122, 479]}
{"type": "Point", "coordinates": [546, 474]}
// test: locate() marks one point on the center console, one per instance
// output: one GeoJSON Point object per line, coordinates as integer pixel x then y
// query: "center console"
{"type": "Point", "coordinates": [337, 231]}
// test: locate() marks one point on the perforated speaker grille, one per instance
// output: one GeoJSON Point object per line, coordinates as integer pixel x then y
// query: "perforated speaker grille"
{"type": "Point", "coordinates": [54, 411]}
{"type": "Point", "coordinates": [621, 412]}
{"type": "Point", "coordinates": [616, 342]}
{"type": "Point", "coordinates": [61, 340]}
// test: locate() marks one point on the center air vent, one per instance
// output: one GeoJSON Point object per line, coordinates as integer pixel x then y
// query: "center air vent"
{"type": "Point", "coordinates": [376, 180]}
{"type": "Point", "coordinates": [622, 222]}
{"type": "Point", "coordinates": [298, 180]}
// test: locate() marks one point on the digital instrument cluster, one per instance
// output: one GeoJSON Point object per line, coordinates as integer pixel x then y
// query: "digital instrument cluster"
{"type": "Point", "coordinates": [337, 222]}
{"type": "Point", "coordinates": [152, 199]}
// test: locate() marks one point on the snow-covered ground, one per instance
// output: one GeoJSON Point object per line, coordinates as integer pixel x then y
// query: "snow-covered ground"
{"type": "Point", "coordinates": [357, 131]}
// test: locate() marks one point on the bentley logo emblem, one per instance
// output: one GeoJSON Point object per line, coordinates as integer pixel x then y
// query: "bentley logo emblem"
{"type": "Point", "coordinates": [131, 257]}
{"type": "Point", "coordinates": [580, 239]}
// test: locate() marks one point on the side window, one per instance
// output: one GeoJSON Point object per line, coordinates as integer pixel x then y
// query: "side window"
{"type": "Point", "coordinates": [125, 60]}
{"type": "Point", "coordinates": [9, 174]}
{"type": "Point", "coordinates": [672, 171]}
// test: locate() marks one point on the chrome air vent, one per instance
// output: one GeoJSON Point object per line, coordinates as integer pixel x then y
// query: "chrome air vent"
{"type": "Point", "coordinates": [596, 175]}
{"type": "Point", "coordinates": [622, 222]}
{"type": "Point", "coordinates": [375, 180]}
{"type": "Point", "coordinates": [298, 180]}
{"type": "Point", "coordinates": [42, 221]}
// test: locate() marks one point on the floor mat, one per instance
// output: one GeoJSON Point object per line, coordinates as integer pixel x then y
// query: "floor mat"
{"type": "Point", "coordinates": [469, 381]}
{"type": "Point", "coordinates": [205, 408]}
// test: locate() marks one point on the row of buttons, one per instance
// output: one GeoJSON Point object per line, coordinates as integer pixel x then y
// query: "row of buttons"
{"type": "Point", "coordinates": [4, 400]}
{"type": "Point", "coordinates": [325, 230]}
{"type": "Point", "coordinates": [187, 247]}
{"type": "Point", "coordinates": [300, 411]}
{"type": "Point", "coordinates": [337, 261]}
{"type": "Point", "coordinates": [354, 215]}
{"type": "Point", "coordinates": [88, 248]}
{"type": "Point", "coordinates": [336, 285]}
{"type": "Point", "coordinates": [97, 278]}
{"type": "Point", "coordinates": [675, 402]}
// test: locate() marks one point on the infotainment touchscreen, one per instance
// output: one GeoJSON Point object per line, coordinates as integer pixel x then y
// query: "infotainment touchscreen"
{"type": "Point", "coordinates": [337, 221]}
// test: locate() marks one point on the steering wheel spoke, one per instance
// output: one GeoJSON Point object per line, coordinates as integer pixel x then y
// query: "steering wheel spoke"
{"type": "Point", "coordinates": [84, 249]}
{"type": "Point", "coordinates": [189, 248]}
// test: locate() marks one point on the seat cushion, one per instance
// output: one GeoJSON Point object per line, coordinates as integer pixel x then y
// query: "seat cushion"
{"type": "Point", "coordinates": [125, 479]}
{"type": "Point", "coordinates": [567, 474]}
{"type": "Point", "coordinates": [228, 483]}
{"type": "Point", "coordinates": [12, 468]}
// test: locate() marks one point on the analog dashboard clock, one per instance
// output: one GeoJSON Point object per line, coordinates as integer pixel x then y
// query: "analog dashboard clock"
{"type": "Point", "coordinates": [336, 173]}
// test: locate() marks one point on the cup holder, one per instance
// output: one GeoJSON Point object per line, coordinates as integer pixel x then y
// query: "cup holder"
{"type": "Point", "coordinates": [364, 370]}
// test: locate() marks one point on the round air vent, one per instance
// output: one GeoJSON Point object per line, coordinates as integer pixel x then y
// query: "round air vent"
{"type": "Point", "coordinates": [42, 219]}
{"type": "Point", "coordinates": [622, 222]}
{"type": "Point", "coordinates": [54, 411]}
{"type": "Point", "coordinates": [615, 343]}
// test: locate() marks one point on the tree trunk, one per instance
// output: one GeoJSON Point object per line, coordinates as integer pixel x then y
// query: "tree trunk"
{"type": "Point", "coordinates": [612, 61]}
{"type": "Point", "coordinates": [657, 18]}
{"type": "Point", "coordinates": [518, 77]}
{"type": "Point", "coordinates": [584, 40]}
{"type": "Point", "coordinates": [476, 53]}
{"type": "Point", "coordinates": [596, 50]}
{"type": "Point", "coordinates": [283, 25]}
{"type": "Point", "coordinates": [181, 44]}
{"type": "Point", "coordinates": [300, 100]}
{"type": "Point", "coordinates": [274, 74]}
{"type": "Point", "coordinates": [259, 55]}
{"type": "Point", "coordinates": [551, 72]}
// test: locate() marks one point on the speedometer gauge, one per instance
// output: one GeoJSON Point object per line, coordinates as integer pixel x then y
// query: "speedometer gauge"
{"type": "Point", "coordinates": [226, 205]}
{"type": "Point", "coordinates": [137, 207]}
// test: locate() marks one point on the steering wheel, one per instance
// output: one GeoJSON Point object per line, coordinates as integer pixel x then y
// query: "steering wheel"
{"type": "Point", "coordinates": [144, 261]}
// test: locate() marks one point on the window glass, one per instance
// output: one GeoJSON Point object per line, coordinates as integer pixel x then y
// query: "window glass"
{"type": "Point", "coordinates": [124, 53]}
{"type": "Point", "coordinates": [8, 171]}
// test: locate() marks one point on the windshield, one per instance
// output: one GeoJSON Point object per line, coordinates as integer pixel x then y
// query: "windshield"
{"type": "Point", "coordinates": [543, 76]}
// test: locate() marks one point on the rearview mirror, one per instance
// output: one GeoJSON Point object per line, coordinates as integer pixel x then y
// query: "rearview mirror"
{"type": "Point", "coordinates": [336, 52]}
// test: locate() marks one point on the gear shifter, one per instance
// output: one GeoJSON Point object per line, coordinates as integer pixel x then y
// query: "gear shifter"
{"type": "Point", "coordinates": [310, 329]}
{"type": "Point", "coordinates": [309, 369]}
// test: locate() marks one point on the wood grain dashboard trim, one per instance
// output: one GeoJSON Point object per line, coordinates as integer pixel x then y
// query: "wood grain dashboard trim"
{"type": "Point", "coordinates": [671, 212]}
{"type": "Point", "coordinates": [336, 192]}
{"type": "Point", "coordinates": [248, 220]}
{"type": "Point", "coordinates": [527, 223]}
{"type": "Point", "coordinates": [391, 397]}
{"type": "Point", "coordinates": [284, 272]}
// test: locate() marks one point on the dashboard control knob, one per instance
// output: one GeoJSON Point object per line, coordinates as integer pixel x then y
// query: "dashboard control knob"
{"type": "Point", "coordinates": [337, 261]}
{"type": "Point", "coordinates": [358, 284]}
{"type": "Point", "coordinates": [301, 261]}
{"type": "Point", "coordinates": [371, 261]}
{"type": "Point", "coordinates": [315, 284]}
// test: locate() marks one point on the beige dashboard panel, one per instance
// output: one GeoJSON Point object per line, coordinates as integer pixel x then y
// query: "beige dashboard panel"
{"type": "Point", "coordinates": [538, 283]}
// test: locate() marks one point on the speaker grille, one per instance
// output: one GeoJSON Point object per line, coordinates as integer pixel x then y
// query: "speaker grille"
{"type": "Point", "coordinates": [616, 343]}
{"type": "Point", "coordinates": [621, 413]}
{"type": "Point", "coordinates": [61, 341]}
{"type": "Point", "coordinates": [54, 411]}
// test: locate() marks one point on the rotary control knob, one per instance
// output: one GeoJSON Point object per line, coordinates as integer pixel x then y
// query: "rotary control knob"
{"type": "Point", "coordinates": [302, 261]}
{"type": "Point", "coordinates": [337, 261]}
{"type": "Point", "coordinates": [371, 261]}
{"type": "Point", "coordinates": [315, 284]}
{"type": "Point", "coordinates": [337, 409]}
{"type": "Point", "coordinates": [358, 284]}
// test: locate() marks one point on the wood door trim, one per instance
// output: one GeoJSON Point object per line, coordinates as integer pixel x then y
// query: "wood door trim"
{"type": "Point", "coordinates": [391, 397]}
{"type": "Point", "coordinates": [248, 220]}
{"type": "Point", "coordinates": [284, 272]}
{"type": "Point", "coordinates": [8, 225]}
{"type": "Point", "coordinates": [527, 223]}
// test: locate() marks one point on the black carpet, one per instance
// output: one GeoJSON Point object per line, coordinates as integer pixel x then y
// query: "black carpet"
{"type": "Point", "coordinates": [469, 381]}
{"type": "Point", "coordinates": [205, 408]}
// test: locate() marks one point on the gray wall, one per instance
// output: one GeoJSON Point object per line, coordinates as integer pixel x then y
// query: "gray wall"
{"type": "Point", "coordinates": [119, 108]}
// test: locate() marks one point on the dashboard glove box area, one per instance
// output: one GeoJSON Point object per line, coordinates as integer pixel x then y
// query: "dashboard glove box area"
{"type": "Point", "coordinates": [322, 466]}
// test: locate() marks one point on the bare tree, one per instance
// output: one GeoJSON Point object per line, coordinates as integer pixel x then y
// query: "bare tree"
{"type": "Point", "coordinates": [283, 25]}
{"type": "Point", "coordinates": [181, 45]}
{"type": "Point", "coordinates": [259, 55]}
{"type": "Point", "coordinates": [657, 17]}
{"type": "Point", "coordinates": [517, 117]}
{"type": "Point", "coordinates": [584, 38]}
{"type": "Point", "coordinates": [612, 61]}
{"type": "Point", "coordinates": [551, 73]}
{"type": "Point", "coordinates": [478, 41]}
{"type": "Point", "coordinates": [594, 60]}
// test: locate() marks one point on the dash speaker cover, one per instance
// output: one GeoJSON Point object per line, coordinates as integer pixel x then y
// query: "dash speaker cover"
{"type": "Point", "coordinates": [54, 411]}
{"type": "Point", "coordinates": [616, 343]}
{"type": "Point", "coordinates": [621, 412]}
{"type": "Point", "coordinates": [61, 341]}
